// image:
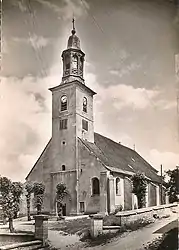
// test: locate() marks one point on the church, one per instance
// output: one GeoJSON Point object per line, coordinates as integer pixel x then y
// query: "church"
{"type": "Point", "coordinates": [96, 170]}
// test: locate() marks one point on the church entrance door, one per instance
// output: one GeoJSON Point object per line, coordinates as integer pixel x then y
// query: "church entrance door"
{"type": "Point", "coordinates": [64, 210]}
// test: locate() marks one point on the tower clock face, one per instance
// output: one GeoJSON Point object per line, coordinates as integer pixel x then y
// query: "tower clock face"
{"type": "Point", "coordinates": [64, 99]}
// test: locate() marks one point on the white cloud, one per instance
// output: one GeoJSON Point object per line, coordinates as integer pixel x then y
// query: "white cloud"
{"type": "Point", "coordinates": [38, 42]}
{"type": "Point", "coordinates": [123, 54]}
{"type": "Point", "coordinates": [169, 160]}
{"type": "Point", "coordinates": [166, 104]}
{"type": "Point", "coordinates": [25, 125]}
{"type": "Point", "coordinates": [127, 96]}
{"type": "Point", "coordinates": [4, 47]}
{"type": "Point", "coordinates": [35, 41]}
{"type": "Point", "coordinates": [20, 4]}
{"type": "Point", "coordinates": [122, 96]}
{"type": "Point", "coordinates": [126, 70]}
{"type": "Point", "coordinates": [114, 72]}
{"type": "Point", "coordinates": [51, 6]}
{"type": "Point", "coordinates": [67, 8]}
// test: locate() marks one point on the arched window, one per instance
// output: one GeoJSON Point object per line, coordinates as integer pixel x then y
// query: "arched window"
{"type": "Point", "coordinates": [81, 63]}
{"type": "Point", "coordinates": [63, 103]}
{"type": "Point", "coordinates": [75, 62]}
{"type": "Point", "coordinates": [67, 62]}
{"type": "Point", "coordinates": [95, 186]}
{"type": "Point", "coordinates": [63, 167]}
{"type": "Point", "coordinates": [118, 186]}
{"type": "Point", "coordinates": [85, 104]}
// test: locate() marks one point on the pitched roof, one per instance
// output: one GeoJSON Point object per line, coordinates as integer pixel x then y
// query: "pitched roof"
{"type": "Point", "coordinates": [118, 157]}
{"type": "Point", "coordinates": [115, 157]}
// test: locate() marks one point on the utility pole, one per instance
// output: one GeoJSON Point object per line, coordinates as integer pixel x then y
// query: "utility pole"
{"type": "Point", "coordinates": [161, 193]}
{"type": "Point", "coordinates": [177, 89]}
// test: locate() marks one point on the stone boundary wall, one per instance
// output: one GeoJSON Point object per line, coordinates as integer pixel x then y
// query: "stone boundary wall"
{"type": "Point", "coordinates": [128, 217]}
{"type": "Point", "coordinates": [10, 238]}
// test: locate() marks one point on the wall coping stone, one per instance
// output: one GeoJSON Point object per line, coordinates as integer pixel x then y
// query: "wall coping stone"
{"type": "Point", "coordinates": [41, 216]}
{"type": "Point", "coordinates": [16, 234]}
{"type": "Point", "coordinates": [111, 227]}
{"type": "Point", "coordinates": [158, 208]}
{"type": "Point", "coordinates": [97, 216]}
{"type": "Point", "coordinates": [126, 213]}
{"type": "Point", "coordinates": [144, 210]}
{"type": "Point", "coordinates": [171, 205]}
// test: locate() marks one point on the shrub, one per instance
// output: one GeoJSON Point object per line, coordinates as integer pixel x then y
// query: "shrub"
{"type": "Point", "coordinates": [134, 225]}
{"type": "Point", "coordinates": [11, 193]}
{"type": "Point", "coordinates": [62, 193]}
{"type": "Point", "coordinates": [29, 190]}
{"type": "Point", "coordinates": [139, 188]}
{"type": "Point", "coordinates": [39, 189]}
{"type": "Point", "coordinates": [118, 209]}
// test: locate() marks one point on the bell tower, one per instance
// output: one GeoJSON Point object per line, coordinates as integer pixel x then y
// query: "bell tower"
{"type": "Point", "coordinates": [73, 59]}
{"type": "Point", "coordinates": [72, 108]}
{"type": "Point", "coordinates": [72, 118]}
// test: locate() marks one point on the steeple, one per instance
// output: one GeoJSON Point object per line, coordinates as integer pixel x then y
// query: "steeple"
{"type": "Point", "coordinates": [73, 41]}
{"type": "Point", "coordinates": [73, 30]}
{"type": "Point", "coordinates": [73, 58]}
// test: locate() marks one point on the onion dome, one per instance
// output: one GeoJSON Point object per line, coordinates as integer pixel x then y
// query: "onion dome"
{"type": "Point", "coordinates": [73, 41]}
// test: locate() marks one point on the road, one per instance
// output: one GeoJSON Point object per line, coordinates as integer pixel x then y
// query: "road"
{"type": "Point", "coordinates": [168, 227]}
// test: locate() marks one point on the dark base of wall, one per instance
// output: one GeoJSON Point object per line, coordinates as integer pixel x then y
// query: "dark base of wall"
{"type": "Point", "coordinates": [12, 238]}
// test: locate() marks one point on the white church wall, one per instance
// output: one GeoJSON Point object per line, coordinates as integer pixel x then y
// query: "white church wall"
{"type": "Point", "coordinates": [134, 201]}
{"type": "Point", "coordinates": [119, 199]}
{"type": "Point", "coordinates": [87, 116]}
{"type": "Point", "coordinates": [158, 195]}
{"type": "Point", "coordinates": [90, 166]}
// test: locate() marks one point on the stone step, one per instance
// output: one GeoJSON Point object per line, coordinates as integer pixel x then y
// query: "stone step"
{"type": "Point", "coordinates": [30, 245]}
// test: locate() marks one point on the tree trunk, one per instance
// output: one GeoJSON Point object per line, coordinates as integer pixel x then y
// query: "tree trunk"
{"type": "Point", "coordinates": [4, 220]}
{"type": "Point", "coordinates": [11, 228]}
{"type": "Point", "coordinates": [15, 215]}
{"type": "Point", "coordinates": [59, 210]}
{"type": "Point", "coordinates": [139, 202]}
{"type": "Point", "coordinates": [28, 208]}
{"type": "Point", "coordinates": [38, 209]}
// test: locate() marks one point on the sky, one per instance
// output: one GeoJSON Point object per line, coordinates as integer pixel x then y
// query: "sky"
{"type": "Point", "coordinates": [130, 49]}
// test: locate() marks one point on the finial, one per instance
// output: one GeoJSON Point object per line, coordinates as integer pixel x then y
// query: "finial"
{"type": "Point", "coordinates": [73, 30]}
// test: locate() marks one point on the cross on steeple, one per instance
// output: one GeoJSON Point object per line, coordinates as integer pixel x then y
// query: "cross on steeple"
{"type": "Point", "coordinates": [73, 22]}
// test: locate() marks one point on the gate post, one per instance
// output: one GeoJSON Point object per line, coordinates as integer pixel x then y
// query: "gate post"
{"type": "Point", "coordinates": [41, 228]}
{"type": "Point", "coordinates": [96, 225]}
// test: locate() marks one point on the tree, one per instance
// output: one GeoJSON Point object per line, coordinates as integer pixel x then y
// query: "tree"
{"type": "Point", "coordinates": [62, 192]}
{"type": "Point", "coordinates": [39, 190]}
{"type": "Point", "coordinates": [16, 189]}
{"type": "Point", "coordinates": [139, 188]}
{"type": "Point", "coordinates": [29, 189]}
{"type": "Point", "coordinates": [173, 184]}
{"type": "Point", "coordinates": [11, 192]}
